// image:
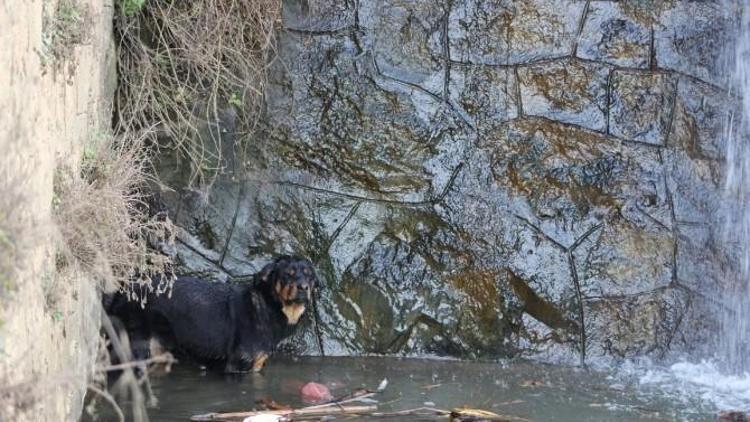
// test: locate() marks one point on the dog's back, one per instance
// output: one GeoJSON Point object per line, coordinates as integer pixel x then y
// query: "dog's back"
{"type": "Point", "coordinates": [198, 317]}
{"type": "Point", "coordinates": [194, 320]}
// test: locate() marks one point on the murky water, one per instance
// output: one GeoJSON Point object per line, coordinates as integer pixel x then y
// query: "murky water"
{"type": "Point", "coordinates": [529, 390]}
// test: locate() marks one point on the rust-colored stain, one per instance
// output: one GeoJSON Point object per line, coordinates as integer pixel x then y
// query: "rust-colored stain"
{"type": "Point", "coordinates": [645, 11]}
{"type": "Point", "coordinates": [565, 87]}
{"type": "Point", "coordinates": [525, 169]}
{"type": "Point", "coordinates": [481, 287]}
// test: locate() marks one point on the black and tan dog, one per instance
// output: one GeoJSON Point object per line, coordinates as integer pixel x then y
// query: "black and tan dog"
{"type": "Point", "coordinates": [232, 327]}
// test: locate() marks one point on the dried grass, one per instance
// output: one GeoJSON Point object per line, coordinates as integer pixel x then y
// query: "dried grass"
{"type": "Point", "coordinates": [11, 232]}
{"type": "Point", "coordinates": [17, 234]}
{"type": "Point", "coordinates": [64, 29]}
{"type": "Point", "coordinates": [181, 62]}
{"type": "Point", "coordinates": [103, 219]}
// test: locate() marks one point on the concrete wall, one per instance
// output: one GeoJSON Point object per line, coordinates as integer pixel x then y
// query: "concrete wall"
{"type": "Point", "coordinates": [51, 104]}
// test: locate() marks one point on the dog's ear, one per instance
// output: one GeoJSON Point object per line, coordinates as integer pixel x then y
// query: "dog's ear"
{"type": "Point", "coordinates": [264, 276]}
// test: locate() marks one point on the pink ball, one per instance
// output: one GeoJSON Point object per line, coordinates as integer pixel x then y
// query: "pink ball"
{"type": "Point", "coordinates": [313, 392]}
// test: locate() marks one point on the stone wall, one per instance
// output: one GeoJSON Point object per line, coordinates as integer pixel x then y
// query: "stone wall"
{"type": "Point", "coordinates": [56, 86]}
{"type": "Point", "coordinates": [483, 178]}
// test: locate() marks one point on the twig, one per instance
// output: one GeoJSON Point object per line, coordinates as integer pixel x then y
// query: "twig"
{"type": "Point", "coordinates": [316, 321]}
{"type": "Point", "coordinates": [477, 414]}
{"type": "Point", "coordinates": [166, 358]}
{"type": "Point", "coordinates": [330, 410]}
{"type": "Point", "coordinates": [419, 411]}
{"type": "Point", "coordinates": [356, 396]}
{"type": "Point", "coordinates": [109, 399]}
{"type": "Point", "coordinates": [127, 380]}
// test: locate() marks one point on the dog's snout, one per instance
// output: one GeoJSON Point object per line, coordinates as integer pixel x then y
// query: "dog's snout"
{"type": "Point", "coordinates": [303, 292]}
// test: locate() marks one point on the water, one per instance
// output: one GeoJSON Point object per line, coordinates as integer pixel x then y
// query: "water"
{"type": "Point", "coordinates": [691, 391]}
{"type": "Point", "coordinates": [735, 324]}
{"type": "Point", "coordinates": [704, 381]}
{"type": "Point", "coordinates": [530, 390]}
{"type": "Point", "coordinates": [724, 381]}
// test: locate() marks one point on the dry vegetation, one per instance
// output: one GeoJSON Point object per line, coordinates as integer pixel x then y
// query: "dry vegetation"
{"type": "Point", "coordinates": [16, 234]}
{"type": "Point", "coordinates": [103, 218]}
{"type": "Point", "coordinates": [64, 28]}
{"type": "Point", "coordinates": [182, 62]}
{"type": "Point", "coordinates": [108, 234]}
{"type": "Point", "coordinates": [15, 225]}
{"type": "Point", "coordinates": [128, 387]}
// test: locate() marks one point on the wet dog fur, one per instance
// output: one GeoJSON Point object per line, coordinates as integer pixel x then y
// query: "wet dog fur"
{"type": "Point", "coordinates": [231, 327]}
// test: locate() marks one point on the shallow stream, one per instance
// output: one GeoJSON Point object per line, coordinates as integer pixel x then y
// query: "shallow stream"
{"type": "Point", "coordinates": [529, 390]}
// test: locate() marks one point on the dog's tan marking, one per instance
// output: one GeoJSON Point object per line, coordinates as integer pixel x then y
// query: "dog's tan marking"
{"type": "Point", "coordinates": [290, 271]}
{"type": "Point", "coordinates": [284, 294]}
{"type": "Point", "coordinates": [278, 288]}
{"type": "Point", "coordinates": [293, 312]}
{"type": "Point", "coordinates": [259, 361]}
{"type": "Point", "coordinates": [292, 292]}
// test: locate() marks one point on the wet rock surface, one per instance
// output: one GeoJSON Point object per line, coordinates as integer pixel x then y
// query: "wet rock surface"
{"type": "Point", "coordinates": [482, 178]}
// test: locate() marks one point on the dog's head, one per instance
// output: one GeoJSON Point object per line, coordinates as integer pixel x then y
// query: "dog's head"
{"type": "Point", "coordinates": [292, 280]}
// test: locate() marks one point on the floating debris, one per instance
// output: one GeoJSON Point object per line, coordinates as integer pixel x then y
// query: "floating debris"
{"type": "Point", "coordinates": [276, 412]}
{"type": "Point", "coordinates": [314, 392]}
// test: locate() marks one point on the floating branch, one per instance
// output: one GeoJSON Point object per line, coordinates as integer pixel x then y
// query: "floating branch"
{"type": "Point", "coordinates": [289, 414]}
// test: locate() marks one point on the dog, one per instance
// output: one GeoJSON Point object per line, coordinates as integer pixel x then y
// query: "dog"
{"type": "Point", "coordinates": [229, 326]}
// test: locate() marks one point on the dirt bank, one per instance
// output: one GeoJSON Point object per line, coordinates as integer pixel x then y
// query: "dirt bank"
{"type": "Point", "coordinates": [56, 83]}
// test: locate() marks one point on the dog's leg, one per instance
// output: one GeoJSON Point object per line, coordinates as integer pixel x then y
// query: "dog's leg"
{"type": "Point", "coordinates": [139, 333]}
{"type": "Point", "coordinates": [230, 367]}
{"type": "Point", "coordinates": [237, 364]}
{"type": "Point", "coordinates": [259, 361]}
{"type": "Point", "coordinates": [242, 362]}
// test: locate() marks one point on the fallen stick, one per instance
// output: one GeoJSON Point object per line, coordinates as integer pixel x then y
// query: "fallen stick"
{"type": "Point", "coordinates": [166, 358]}
{"type": "Point", "coordinates": [419, 411]}
{"type": "Point", "coordinates": [290, 413]}
{"type": "Point", "coordinates": [357, 396]}
{"type": "Point", "coordinates": [110, 400]}
{"type": "Point", "coordinates": [469, 414]}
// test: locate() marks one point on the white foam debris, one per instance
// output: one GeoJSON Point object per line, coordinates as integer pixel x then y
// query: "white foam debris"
{"type": "Point", "coordinates": [703, 381]}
